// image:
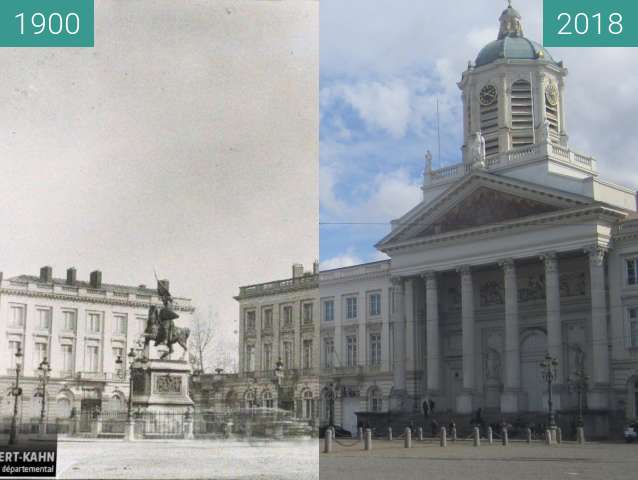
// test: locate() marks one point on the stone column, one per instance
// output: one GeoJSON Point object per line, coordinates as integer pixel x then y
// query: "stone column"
{"type": "Point", "coordinates": [512, 383]}
{"type": "Point", "coordinates": [386, 364]}
{"type": "Point", "coordinates": [561, 112]}
{"type": "Point", "coordinates": [554, 327]}
{"type": "Point", "coordinates": [598, 398]}
{"type": "Point", "coordinates": [432, 333]}
{"type": "Point", "coordinates": [398, 319]}
{"type": "Point", "coordinates": [464, 400]}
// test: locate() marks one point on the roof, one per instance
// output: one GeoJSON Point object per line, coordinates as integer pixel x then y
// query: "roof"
{"type": "Point", "coordinates": [511, 47]}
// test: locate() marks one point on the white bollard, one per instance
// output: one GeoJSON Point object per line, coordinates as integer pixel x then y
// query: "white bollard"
{"type": "Point", "coordinates": [559, 435]}
{"type": "Point", "coordinates": [368, 440]}
{"type": "Point", "coordinates": [407, 443]}
{"type": "Point", "coordinates": [327, 441]}
{"type": "Point", "coordinates": [580, 435]}
{"type": "Point", "coordinates": [453, 433]}
{"type": "Point", "coordinates": [506, 437]}
{"type": "Point", "coordinates": [548, 437]}
{"type": "Point", "coordinates": [529, 435]}
{"type": "Point", "coordinates": [420, 432]}
{"type": "Point", "coordinates": [490, 435]}
{"type": "Point", "coordinates": [443, 437]}
{"type": "Point", "coordinates": [477, 437]}
{"type": "Point", "coordinates": [390, 433]}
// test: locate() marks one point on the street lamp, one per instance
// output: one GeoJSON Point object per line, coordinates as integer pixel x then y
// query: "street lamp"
{"type": "Point", "coordinates": [135, 363]}
{"type": "Point", "coordinates": [278, 380]}
{"type": "Point", "coordinates": [549, 371]}
{"type": "Point", "coordinates": [45, 369]}
{"type": "Point", "coordinates": [16, 391]}
{"type": "Point", "coordinates": [578, 381]}
{"type": "Point", "coordinates": [331, 406]}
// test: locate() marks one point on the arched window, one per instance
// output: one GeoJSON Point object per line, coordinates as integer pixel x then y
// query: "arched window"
{"type": "Point", "coordinates": [63, 407]}
{"type": "Point", "coordinates": [307, 404]}
{"type": "Point", "coordinates": [267, 400]}
{"type": "Point", "coordinates": [375, 400]}
{"type": "Point", "coordinates": [522, 114]}
{"type": "Point", "coordinates": [250, 400]}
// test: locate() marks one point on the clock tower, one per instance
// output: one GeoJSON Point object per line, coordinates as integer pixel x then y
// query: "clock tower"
{"type": "Point", "coordinates": [513, 93]}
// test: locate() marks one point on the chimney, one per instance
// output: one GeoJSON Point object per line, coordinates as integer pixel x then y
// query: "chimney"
{"type": "Point", "coordinates": [297, 270]}
{"type": "Point", "coordinates": [96, 279]}
{"type": "Point", "coordinates": [46, 275]}
{"type": "Point", "coordinates": [315, 267]}
{"type": "Point", "coordinates": [71, 276]}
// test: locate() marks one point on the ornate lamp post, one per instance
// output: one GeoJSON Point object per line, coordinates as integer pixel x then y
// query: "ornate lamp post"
{"type": "Point", "coordinates": [44, 370]}
{"type": "Point", "coordinates": [331, 406]}
{"type": "Point", "coordinates": [279, 379]}
{"type": "Point", "coordinates": [578, 381]}
{"type": "Point", "coordinates": [135, 363]}
{"type": "Point", "coordinates": [16, 391]}
{"type": "Point", "coordinates": [549, 370]}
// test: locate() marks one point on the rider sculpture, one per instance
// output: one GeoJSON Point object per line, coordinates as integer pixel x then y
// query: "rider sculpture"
{"type": "Point", "coordinates": [160, 325]}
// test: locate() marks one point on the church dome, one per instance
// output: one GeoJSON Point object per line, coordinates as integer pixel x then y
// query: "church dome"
{"type": "Point", "coordinates": [511, 43]}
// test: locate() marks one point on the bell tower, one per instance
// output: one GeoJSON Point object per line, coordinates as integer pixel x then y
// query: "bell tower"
{"type": "Point", "coordinates": [513, 94]}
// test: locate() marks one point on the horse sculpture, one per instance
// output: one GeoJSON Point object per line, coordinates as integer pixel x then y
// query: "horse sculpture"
{"type": "Point", "coordinates": [169, 337]}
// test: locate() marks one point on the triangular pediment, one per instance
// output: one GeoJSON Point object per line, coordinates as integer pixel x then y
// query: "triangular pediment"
{"type": "Point", "coordinates": [481, 199]}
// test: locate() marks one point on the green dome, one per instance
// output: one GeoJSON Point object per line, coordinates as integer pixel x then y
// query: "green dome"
{"type": "Point", "coordinates": [511, 47]}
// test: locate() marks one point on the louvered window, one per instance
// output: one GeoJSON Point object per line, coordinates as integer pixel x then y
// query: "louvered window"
{"type": "Point", "coordinates": [522, 116]}
{"type": "Point", "coordinates": [489, 127]}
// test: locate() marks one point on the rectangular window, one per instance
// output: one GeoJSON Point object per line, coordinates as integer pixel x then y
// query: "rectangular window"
{"type": "Point", "coordinates": [40, 353]}
{"type": "Point", "coordinates": [92, 359]}
{"type": "Point", "coordinates": [328, 310]}
{"type": "Point", "coordinates": [44, 318]}
{"type": "Point", "coordinates": [93, 323]}
{"type": "Point", "coordinates": [375, 350]}
{"type": "Point", "coordinates": [328, 352]}
{"type": "Point", "coordinates": [375, 304]}
{"type": "Point", "coordinates": [351, 351]}
{"type": "Point", "coordinates": [68, 317]}
{"type": "Point", "coordinates": [118, 352]}
{"type": "Point", "coordinates": [632, 322]}
{"type": "Point", "coordinates": [250, 321]}
{"type": "Point", "coordinates": [67, 358]}
{"type": "Point", "coordinates": [287, 316]}
{"type": "Point", "coordinates": [267, 357]}
{"type": "Point", "coordinates": [351, 308]}
{"type": "Point", "coordinates": [14, 346]}
{"type": "Point", "coordinates": [268, 319]}
{"type": "Point", "coordinates": [307, 313]}
{"type": "Point", "coordinates": [307, 354]}
{"type": "Point", "coordinates": [632, 271]}
{"type": "Point", "coordinates": [287, 354]}
{"type": "Point", "coordinates": [119, 324]}
{"type": "Point", "coordinates": [16, 318]}
{"type": "Point", "coordinates": [250, 358]}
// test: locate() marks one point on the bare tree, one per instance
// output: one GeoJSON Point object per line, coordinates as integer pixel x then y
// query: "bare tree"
{"type": "Point", "coordinates": [200, 340]}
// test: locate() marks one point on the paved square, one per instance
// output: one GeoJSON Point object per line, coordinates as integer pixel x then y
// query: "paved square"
{"type": "Point", "coordinates": [427, 460]}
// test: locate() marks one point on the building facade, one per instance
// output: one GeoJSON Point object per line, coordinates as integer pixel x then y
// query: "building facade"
{"type": "Point", "coordinates": [81, 328]}
{"type": "Point", "coordinates": [518, 251]}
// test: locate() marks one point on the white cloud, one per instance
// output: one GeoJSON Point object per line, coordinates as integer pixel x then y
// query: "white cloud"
{"type": "Point", "coordinates": [347, 259]}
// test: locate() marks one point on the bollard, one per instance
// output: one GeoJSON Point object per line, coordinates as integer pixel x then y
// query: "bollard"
{"type": "Point", "coordinates": [443, 437]}
{"type": "Point", "coordinates": [529, 435]}
{"type": "Point", "coordinates": [506, 437]}
{"type": "Point", "coordinates": [453, 432]}
{"type": "Point", "coordinates": [327, 441]}
{"type": "Point", "coordinates": [580, 435]}
{"type": "Point", "coordinates": [420, 431]}
{"type": "Point", "coordinates": [390, 433]}
{"type": "Point", "coordinates": [559, 435]}
{"type": "Point", "coordinates": [490, 436]}
{"type": "Point", "coordinates": [548, 437]}
{"type": "Point", "coordinates": [368, 440]}
{"type": "Point", "coordinates": [361, 434]}
{"type": "Point", "coordinates": [407, 443]}
{"type": "Point", "coordinates": [477, 437]}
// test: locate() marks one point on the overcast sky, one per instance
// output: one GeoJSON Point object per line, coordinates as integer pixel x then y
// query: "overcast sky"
{"type": "Point", "coordinates": [383, 65]}
{"type": "Point", "coordinates": [185, 141]}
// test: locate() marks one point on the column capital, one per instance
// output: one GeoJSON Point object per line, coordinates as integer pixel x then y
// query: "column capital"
{"type": "Point", "coordinates": [429, 276]}
{"type": "Point", "coordinates": [508, 264]}
{"type": "Point", "coordinates": [397, 281]}
{"type": "Point", "coordinates": [596, 255]}
{"type": "Point", "coordinates": [551, 261]}
{"type": "Point", "coordinates": [464, 270]}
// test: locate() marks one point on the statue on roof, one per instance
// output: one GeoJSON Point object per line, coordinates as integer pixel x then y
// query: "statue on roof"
{"type": "Point", "coordinates": [511, 25]}
{"type": "Point", "coordinates": [477, 150]}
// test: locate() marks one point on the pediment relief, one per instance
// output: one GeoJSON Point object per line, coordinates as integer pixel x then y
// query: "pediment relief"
{"type": "Point", "coordinates": [485, 206]}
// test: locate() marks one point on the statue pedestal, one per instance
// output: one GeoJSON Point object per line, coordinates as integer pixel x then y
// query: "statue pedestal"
{"type": "Point", "coordinates": [162, 386]}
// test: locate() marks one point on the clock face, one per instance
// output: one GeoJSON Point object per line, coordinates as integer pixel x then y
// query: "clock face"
{"type": "Point", "coordinates": [488, 95]}
{"type": "Point", "coordinates": [551, 94]}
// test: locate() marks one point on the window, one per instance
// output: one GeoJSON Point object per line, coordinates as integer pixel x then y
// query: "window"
{"type": "Point", "coordinates": [328, 310]}
{"type": "Point", "coordinates": [118, 352]}
{"type": "Point", "coordinates": [351, 351]}
{"type": "Point", "coordinates": [91, 362]}
{"type": "Point", "coordinates": [267, 357]}
{"type": "Point", "coordinates": [120, 324]}
{"type": "Point", "coordinates": [632, 324]}
{"type": "Point", "coordinates": [307, 404]}
{"type": "Point", "coordinates": [632, 271]}
{"type": "Point", "coordinates": [307, 313]}
{"type": "Point", "coordinates": [14, 346]}
{"type": "Point", "coordinates": [250, 358]}
{"type": "Point", "coordinates": [268, 319]}
{"type": "Point", "coordinates": [68, 317]}
{"type": "Point", "coordinates": [16, 318]}
{"type": "Point", "coordinates": [40, 353]}
{"type": "Point", "coordinates": [93, 323]}
{"type": "Point", "coordinates": [488, 113]}
{"type": "Point", "coordinates": [267, 400]}
{"type": "Point", "coordinates": [250, 321]}
{"type": "Point", "coordinates": [375, 304]}
{"type": "Point", "coordinates": [375, 350]}
{"type": "Point", "coordinates": [249, 399]}
{"type": "Point", "coordinates": [44, 318]}
{"type": "Point", "coordinates": [522, 133]}
{"type": "Point", "coordinates": [287, 354]}
{"type": "Point", "coordinates": [375, 401]}
{"type": "Point", "coordinates": [351, 308]}
{"type": "Point", "coordinates": [307, 354]}
{"type": "Point", "coordinates": [287, 316]}
{"type": "Point", "coordinates": [67, 358]}
{"type": "Point", "coordinates": [328, 352]}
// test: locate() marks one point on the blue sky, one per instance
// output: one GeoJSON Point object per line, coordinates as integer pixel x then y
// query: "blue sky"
{"type": "Point", "coordinates": [383, 66]}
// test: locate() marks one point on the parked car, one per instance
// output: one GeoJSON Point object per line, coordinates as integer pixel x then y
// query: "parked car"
{"type": "Point", "coordinates": [339, 432]}
{"type": "Point", "coordinates": [631, 432]}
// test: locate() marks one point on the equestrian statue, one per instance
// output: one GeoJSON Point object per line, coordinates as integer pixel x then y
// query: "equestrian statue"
{"type": "Point", "coordinates": [160, 325]}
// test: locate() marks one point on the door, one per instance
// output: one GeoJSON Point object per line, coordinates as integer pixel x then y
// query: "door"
{"type": "Point", "coordinates": [349, 419]}
{"type": "Point", "coordinates": [533, 351]}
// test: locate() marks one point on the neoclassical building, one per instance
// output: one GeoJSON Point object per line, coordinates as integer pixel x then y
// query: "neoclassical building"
{"type": "Point", "coordinates": [519, 250]}
{"type": "Point", "coordinates": [80, 327]}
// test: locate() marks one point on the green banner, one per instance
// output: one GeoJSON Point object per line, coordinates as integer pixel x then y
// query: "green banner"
{"type": "Point", "coordinates": [590, 23]}
{"type": "Point", "coordinates": [46, 23]}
